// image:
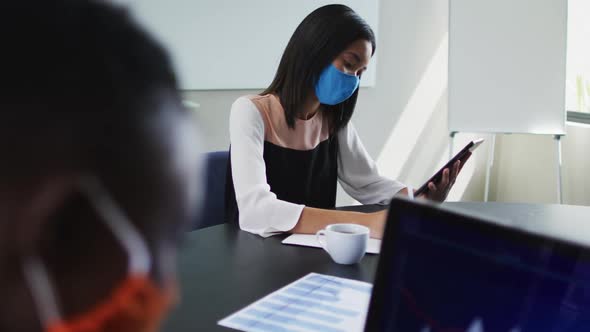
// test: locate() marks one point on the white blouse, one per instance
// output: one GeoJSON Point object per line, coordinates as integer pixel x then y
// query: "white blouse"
{"type": "Point", "coordinates": [260, 211]}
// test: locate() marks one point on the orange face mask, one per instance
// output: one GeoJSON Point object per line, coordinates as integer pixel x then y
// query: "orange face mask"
{"type": "Point", "coordinates": [136, 305]}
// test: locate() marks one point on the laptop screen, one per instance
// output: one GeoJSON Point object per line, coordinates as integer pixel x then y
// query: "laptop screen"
{"type": "Point", "coordinates": [441, 271]}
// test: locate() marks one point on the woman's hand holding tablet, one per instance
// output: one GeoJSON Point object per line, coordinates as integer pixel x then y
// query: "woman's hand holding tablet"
{"type": "Point", "coordinates": [438, 186]}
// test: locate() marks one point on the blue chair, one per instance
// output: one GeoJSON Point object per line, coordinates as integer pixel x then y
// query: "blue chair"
{"type": "Point", "coordinates": [213, 208]}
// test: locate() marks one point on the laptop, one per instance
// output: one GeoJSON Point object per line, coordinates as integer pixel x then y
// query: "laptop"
{"type": "Point", "coordinates": [442, 270]}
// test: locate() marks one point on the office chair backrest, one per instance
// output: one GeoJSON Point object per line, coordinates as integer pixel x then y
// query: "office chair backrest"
{"type": "Point", "coordinates": [213, 207]}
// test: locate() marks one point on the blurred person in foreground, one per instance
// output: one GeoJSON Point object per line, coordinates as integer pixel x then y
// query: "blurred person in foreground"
{"type": "Point", "coordinates": [98, 173]}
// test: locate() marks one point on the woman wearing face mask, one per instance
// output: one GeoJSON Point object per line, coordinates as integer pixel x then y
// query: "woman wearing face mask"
{"type": "Point", "coordinates": [99, 170]}
{"type": "Point", "coordinates": [293, 142]}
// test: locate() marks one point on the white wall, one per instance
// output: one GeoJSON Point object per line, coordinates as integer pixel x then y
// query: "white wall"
{"type": "Point", "coordinates": [402, 120]}
{"type": "Point", "coordinates": [185, 26]}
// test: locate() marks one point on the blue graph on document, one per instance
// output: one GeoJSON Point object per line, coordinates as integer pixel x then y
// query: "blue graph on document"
{"type": "Point", "coordinates": [313, 303]}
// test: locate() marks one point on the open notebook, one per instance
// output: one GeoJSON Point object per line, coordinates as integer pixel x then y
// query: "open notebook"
{"type": "Point", "coordinates": [309, 240]}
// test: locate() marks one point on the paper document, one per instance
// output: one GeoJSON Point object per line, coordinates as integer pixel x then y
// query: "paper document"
{"type": "Point", "coordinates": [315, 302]}
{"type": "Point", "coordinates": [307, 240]}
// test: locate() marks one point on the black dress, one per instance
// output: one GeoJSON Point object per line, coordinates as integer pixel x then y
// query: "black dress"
{"type": "Point", "coordinates": [301, 177]}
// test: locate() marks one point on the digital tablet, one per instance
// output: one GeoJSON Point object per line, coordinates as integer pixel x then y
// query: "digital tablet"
{"type": "Point", "coordinates": [462, 155]}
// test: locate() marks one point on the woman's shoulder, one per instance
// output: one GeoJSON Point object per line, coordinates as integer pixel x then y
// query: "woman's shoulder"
{"type": "Point", "coordinates": [244, 101]}
{"type": "Point", "coordinates": [255, 100]}
{"type": "Point", "coordinates": [266, 104]}
{"type": "Point", "coordinates": [248, 114]}
{"type": "Point", "coordinates": [247, 104]}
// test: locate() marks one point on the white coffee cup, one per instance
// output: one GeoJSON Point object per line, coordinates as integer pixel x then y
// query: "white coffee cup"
{"type": "Point", "coordinates": [346, 243]}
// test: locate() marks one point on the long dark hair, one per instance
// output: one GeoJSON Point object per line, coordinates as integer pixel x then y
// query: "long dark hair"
{"type": "Point", "coordinates": [316, 42]}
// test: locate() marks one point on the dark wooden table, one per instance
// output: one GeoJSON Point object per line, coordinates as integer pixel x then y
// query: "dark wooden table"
{"type": "Point", "coordinates": [223, 269]}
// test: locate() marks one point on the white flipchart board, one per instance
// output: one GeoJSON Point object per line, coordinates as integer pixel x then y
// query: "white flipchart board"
{"type": "Point", "coordinates": [507, 62]}
{"type": "Point", "coordinates": [233, 44]}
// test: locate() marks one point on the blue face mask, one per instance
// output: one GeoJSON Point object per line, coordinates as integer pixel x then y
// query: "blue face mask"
{"type": "Point", "coordinates": [334, 86]}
